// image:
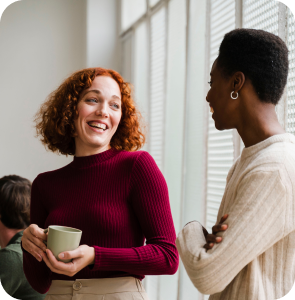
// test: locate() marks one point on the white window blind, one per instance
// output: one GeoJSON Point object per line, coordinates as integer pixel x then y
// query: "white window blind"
{"type": "Point", "coordinates": [141, 71]}
{"type": "Point", "coordinates": [157, 88]}
{"type": "Point", "coordinates": [291, 77]}
{"type": "Point", "coordinates": [174, 120]}
{"type": "Point", "coordinates": [157, 101]}
{"type": "Point", "coordinates": [220, 143]}
{"type": "Point", "coordinates": [193, 172]}
{"type": "Point", "coordinates": [131, 11]}
{"type": "Point", "coordinates": [153, 2]}
{"type": "Point", "coordinates": [261, 14]}
{"type": "Point", "coordinates": [126, 67]}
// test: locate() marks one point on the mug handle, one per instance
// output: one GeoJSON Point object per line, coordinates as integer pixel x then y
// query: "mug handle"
{"type": "Point", "coordinates": [45, 231]}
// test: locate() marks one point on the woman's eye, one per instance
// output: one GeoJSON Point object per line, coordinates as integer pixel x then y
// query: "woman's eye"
{"type": "Point", "coordinates": [116, 105]}
{"type": "Point", "coordinates": [91, 100]}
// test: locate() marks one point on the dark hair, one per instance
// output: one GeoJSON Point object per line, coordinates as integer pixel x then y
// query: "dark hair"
{"type": "Point", "coordinates": [15, 195]}
{"type": "Point", "coordinates": [261, 56]}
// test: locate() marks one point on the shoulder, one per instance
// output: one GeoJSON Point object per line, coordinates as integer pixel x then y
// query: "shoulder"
{"type": "Point", "coordinates": [232, 169]}
{"type": "Point", "coordinates": [10, 256]}
{"type": "Point", "coordinates": [50, 175]}
{"type": "Point", "coordinates": [137, 157]}
{"type": "Point", "coordinates": [277, 157]}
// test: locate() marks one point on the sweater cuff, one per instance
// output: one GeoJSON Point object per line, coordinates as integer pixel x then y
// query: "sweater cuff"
{"type": "Point", "coordinates": [190, 242]}
{"type": "Point", "coordinates": [95, 266]}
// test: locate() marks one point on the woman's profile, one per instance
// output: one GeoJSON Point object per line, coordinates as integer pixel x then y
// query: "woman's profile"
{"type": "Point", "coordinates": [117, 196]}
{"type": "Point", "coordinates": [253, 256]}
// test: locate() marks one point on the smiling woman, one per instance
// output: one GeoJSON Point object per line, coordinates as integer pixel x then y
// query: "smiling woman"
{"type": "Point", "coordinates": [55, 120]}
{"type": "Point", "coordinates": [117, 196]}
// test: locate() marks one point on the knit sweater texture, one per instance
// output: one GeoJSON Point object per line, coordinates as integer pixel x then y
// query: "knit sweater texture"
{"type": "Point", "coordinates": [119, 200]}
{"type": "Point", "coordinates": [256, 258]}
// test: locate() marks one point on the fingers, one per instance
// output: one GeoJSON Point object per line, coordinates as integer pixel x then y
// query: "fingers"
{"type": "Point", "coordinates": [223, 218]}
{"type": "Point", "coordinates": [205, 231]}
{"type": "Point", "coordinates": [219, 227]}
{"type": "Point", "coordinates": [31, 243]}
{"type": "Point", "coordinates": [38, 232]}
{"type": "Point", "coordinates": [33, 249]}
{"type": "Point", "coordinates": [79, 252]}
{"type": "Point", "coordinates": [208, 246]}
{"type": "Point", "coordinates": [211, 238]}
{"type": "Point", "coordinates": [59, 267]}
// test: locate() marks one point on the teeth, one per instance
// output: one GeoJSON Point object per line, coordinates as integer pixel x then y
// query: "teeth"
{"type": "Point", "coordinates": [211, 109]}
{"type": "Point", "coordinates": [97, 125]}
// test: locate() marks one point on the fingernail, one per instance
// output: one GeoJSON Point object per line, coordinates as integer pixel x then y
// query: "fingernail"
{"type": "Point", "coordinates": [211, 244]}
{"type": "Point", "coordinates": [224, 226]}
{"type": "Point", "coordinates": [218, 239]}
{"type": "Point", "coordinates": [61, 255]}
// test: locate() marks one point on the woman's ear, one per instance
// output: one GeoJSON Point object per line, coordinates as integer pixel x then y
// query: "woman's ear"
{"type": "Point", "coordinates": [238, 81]}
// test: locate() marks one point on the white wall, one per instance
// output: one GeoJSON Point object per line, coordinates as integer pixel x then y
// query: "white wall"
{"type": "Point", "coordinates": [102, 34]}
{"type": "Point", "coordinates": [42, 42]}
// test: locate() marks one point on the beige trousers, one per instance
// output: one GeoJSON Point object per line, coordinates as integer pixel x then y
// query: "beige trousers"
{"type": "Point", "coordinates": [120, 288]}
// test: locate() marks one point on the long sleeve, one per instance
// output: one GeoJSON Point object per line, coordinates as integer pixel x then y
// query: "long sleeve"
{"type": "Point", "coordinates": [39, 279]}
{"type": "Point", "coordinates": [256, 222]}
{"type": "Point", "coordinates": [150, 202]}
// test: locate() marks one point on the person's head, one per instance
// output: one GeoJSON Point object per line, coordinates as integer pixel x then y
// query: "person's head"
{"type": "Point", "coordinates": [93, 108]}
{"type": "Point", "coordinates": [15, 197]}
{"type": "Point", "coordinates": [252, 63]}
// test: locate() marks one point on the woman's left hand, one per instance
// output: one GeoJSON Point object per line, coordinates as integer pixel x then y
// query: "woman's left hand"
{"type": "Point", "coordinates": [81, 258]}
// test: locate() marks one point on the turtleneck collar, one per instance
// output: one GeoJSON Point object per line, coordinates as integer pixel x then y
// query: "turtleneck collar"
{"type": "Point", "coordinates": [91, 160]}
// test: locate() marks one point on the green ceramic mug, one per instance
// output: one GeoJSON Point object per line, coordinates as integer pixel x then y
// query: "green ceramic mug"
{"type": "Point", "coordinates": [62, 238]}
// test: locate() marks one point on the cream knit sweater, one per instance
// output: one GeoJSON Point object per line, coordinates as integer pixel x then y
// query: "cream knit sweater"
{"type": "Point", "coordinates": [256, 259]}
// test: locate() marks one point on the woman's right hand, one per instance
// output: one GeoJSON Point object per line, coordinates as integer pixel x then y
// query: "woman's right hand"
{"type": "Point", "coordinates": [32, 241]}
{"type": "Point", "coordinates": [211, 239]}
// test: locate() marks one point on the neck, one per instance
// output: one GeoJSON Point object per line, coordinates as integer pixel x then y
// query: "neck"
{"type": "Point", "coordinates": [82, 150]}
{"type": "Point", "coordinates": [6, 234]}
{"type": "Point", "coordinates": [258, 122]}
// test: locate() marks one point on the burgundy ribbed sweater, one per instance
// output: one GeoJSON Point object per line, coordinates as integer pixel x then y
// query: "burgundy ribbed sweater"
{"type": "Point", "coordinates": [118, 199]}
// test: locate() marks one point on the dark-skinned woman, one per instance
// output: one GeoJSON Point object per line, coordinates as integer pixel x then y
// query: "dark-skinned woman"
{"type": "Point", "coordinates": [254, 259]}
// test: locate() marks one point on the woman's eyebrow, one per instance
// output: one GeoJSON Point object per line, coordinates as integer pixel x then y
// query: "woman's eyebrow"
{"type": "Point", "coordinates": [98, 92]}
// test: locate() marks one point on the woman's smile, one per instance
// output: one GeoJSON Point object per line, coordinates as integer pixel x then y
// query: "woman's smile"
{"type": "Point", "coordinates": [99, 114]}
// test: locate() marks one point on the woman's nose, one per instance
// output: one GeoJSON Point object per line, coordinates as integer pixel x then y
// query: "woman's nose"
{"type": "Point", "coordinates": [102, 111]}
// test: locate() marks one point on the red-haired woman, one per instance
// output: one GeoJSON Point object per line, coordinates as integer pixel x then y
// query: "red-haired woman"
{"type": "Point", "coordinates": [117, 196]}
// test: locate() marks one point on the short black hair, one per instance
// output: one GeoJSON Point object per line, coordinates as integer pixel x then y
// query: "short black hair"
{"type": "Point", "coordinates": [15, 198]}
{"type": "Point", "coordinates": [261, 56]}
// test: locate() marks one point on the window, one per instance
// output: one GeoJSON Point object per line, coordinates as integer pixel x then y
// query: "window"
{"type": "Point", "coordinates": [141, 72]}
{"type": "Point", "coordinates": [167, 53]}
{"type": "Point", "coordinates": [153, 2]}
{"type": "Point", "coordinates": [157, 87]}
{"type": "Point", "coordinates": [220, 149]}
{"type": "Point", "coordinates": [131, 11]}
{"type": "Point", "coordinates": [291, 78]}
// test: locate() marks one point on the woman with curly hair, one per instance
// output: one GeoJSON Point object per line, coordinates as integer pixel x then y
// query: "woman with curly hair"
{"type": "Point", "coordinates": [117, 196]}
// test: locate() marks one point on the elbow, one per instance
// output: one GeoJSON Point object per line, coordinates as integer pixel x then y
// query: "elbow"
{"type": "Point", "coordinates": [173, 268]}
{"type": "Point", "coordinates": [173, 264]}
{"type": "Point", "coordinates": [209, 290]}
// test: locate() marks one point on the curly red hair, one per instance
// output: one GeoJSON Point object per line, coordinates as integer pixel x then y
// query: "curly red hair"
{"type": "Point", "coordinates": [55, 119]}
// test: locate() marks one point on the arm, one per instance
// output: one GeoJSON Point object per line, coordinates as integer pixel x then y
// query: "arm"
{"type": "Point", "coordinates": [150, 202]}
{"type": "Point", "coordinates": [37, 273]}
{"type": "Point", "coordinates": [255, 223]}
